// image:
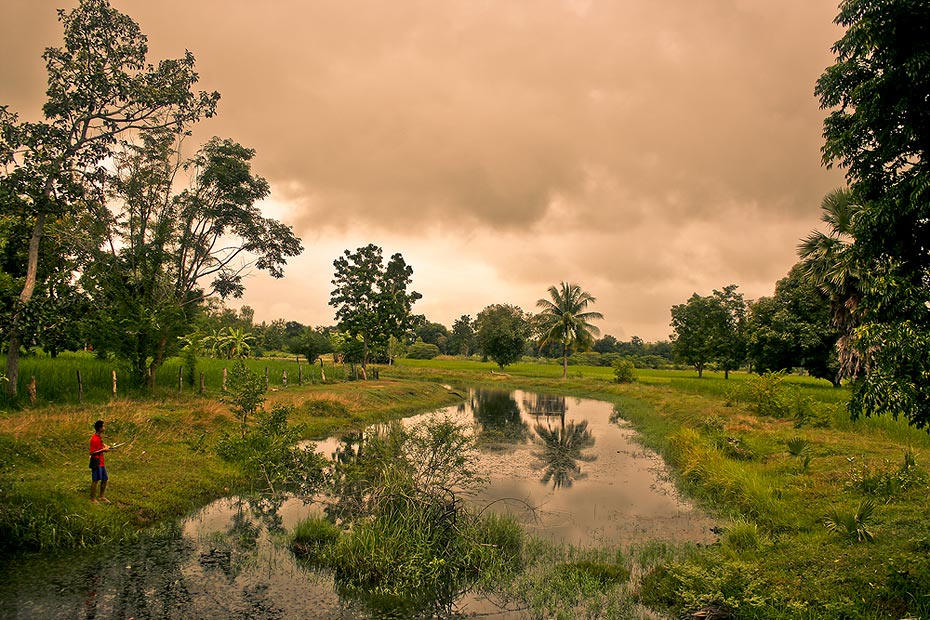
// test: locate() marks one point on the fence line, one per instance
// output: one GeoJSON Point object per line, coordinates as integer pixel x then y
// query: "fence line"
{"type": "Point", "coordinates": [79, 378]}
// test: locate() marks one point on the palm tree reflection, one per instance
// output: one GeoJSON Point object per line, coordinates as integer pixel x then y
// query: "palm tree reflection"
{"type": "Point", "coordinates": [561, 450]}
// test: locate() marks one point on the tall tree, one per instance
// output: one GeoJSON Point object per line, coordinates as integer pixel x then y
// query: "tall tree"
{"type": "Point", "coordinates": [878, 129]}
{"type": "Point", "coordinates": [462, 339]}
{"type": "Point", "coordinates": [371, 298]}
{"type": "Point", "coordinates": [731, 346]}
{"type": "Point", "coordinates": [565, 319]}
{"type": "Point", "coordinates": [502, 333]}
{"type": "Point", "coordinates": [100, 87]}
{"type": "Point", "coordinates": [165, 253]}
{"type": "Point", "coordinates": [697, 324]}
{"type": "Point", "coordinates": [434, 333]}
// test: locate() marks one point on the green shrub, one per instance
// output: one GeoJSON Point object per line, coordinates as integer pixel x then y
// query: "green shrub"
{"type": "Point", "coordinates": [420, 350]}
{"type": "Point", "coordinates": [247, 392]}
{"type": "Point", "coordinates": [766, 394]}
{"type": "Point", "coordinates": [269, 453]}
{"type": "Point", "coordinates": [624, 371]}
{"type": "Point", "coordinates": [888, 484]}
{"type": "Point", "coordinates": [411, 536]}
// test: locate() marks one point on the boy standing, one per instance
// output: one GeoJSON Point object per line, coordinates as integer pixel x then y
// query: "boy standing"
{"type": "Point", "coordinates": [98, 473]}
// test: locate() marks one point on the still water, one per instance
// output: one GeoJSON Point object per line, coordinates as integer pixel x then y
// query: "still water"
{"type": "Point", "coordinates": [569, 469]}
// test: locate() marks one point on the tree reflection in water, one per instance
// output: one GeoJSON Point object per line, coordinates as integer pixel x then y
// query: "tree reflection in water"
{"type": "Point", "coordinates": [561, 450]}
{"type": "Point", "coordinates": [500, 426]}
{"type": "Point", "coordinates": [544, 405]}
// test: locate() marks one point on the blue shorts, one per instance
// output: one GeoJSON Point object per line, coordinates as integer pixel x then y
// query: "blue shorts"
{"type": "Point", "coordinates": [99, 473]}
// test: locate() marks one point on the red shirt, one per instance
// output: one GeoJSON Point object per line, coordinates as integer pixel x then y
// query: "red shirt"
{"type": "Point", "coordinates": [96, 443]}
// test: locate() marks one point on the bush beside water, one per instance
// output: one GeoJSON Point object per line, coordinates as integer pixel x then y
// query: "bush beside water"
{"type": "Point", "coordinates": [407, 532]}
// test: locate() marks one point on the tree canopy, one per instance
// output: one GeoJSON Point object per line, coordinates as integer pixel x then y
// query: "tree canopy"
{"type": "Point", "coordinates": [502, 332]}
{"type": "Point", "coordinates": [371, 297]}
{"type": "Point", "coordinates": [163, 253]}
{"type": "Point", "coordinates": [792, 329]}
{"type": "Point", "coordinates": [710, 329]}
{"type": "Point", "coordinates": [100, 88]}
{"type": "Point", "coordinates": [877, 129]}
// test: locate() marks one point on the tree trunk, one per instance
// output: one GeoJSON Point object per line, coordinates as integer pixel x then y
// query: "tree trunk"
{"type": "Point", "coordinates": [32, 268]}
{"type": "Point", "coordinates": [157, 361]}
{"type": "Point", "coordinates": [364, 357]}
{"type": "Point", "coordinates": [565, 363]}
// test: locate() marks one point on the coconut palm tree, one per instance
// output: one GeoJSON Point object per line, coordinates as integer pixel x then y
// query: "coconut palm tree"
{"type": "Point", "coordinates": [829, 261]}
{"type": "Point", "coordinates": [564, 319]}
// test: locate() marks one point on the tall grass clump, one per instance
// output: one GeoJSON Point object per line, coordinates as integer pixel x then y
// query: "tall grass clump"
{"type": "Point", "coordinates": [708, 472]}
{"type": "Point", "coordinates": [30, 523]}
{"type": "Point", "coordinates": [406, 532]}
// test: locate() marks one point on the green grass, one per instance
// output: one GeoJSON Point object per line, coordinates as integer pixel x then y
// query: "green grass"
{"type": "Point", "coordinates": [57, 378]}
{"type": "Point", "coordinates": [782, 561]}
{"type": "Point", "coordinates": [776, 559]}
{"type": "Point", "coordinates": [168, 465]}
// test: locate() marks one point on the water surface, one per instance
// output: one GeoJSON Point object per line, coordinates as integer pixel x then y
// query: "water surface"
{"type": "Point", "coordinates": [569, 469]}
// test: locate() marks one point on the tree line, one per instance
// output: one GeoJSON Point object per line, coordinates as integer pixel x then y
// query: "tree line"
{"type": "Point", "coordinates": [789, 331]}
{"type": "Point", "coordinates": [112, 235]}
{"type": "Point", "coordinates": [866, 279]}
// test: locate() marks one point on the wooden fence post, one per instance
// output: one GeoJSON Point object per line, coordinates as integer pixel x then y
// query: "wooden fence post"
{"type": "Point", "coordinates": [284, 379]}
{"type": "Point", "coordinates": [203, 387]}
{"type": "Point", "coordinates": [266, 377]}
{"type": "Point", "coordinates": [224, 380]}
{"type": "Point", "coordinates": [322, 372]}
{"type": "Point", "coordinates": [80, 387]}
{"type": "Point", "coordinates": [180, 374]}
{"type": "Point", "coordinates": [300, 373]}
{"type": "Point", "coordinates": [114, 383]}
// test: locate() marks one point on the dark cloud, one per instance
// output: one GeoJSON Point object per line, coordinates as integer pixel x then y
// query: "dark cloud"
{"type": "Point", "coordinates": [673, 144]}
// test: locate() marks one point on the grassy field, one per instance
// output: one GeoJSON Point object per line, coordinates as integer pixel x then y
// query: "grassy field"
{"type": "Point", "coordinates": [57, 379]}
{"type": "Point", "coordinates": [824, 517]}
{"type": "Point", "coordinates": [168, 465]}
{"type": "Point", "coordinates": [790, 487]}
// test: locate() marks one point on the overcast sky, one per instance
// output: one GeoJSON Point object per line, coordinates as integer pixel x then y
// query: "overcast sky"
{"type": "Point", "coordinates": [643, 150]}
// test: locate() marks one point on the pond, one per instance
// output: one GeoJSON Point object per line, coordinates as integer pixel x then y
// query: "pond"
{"type": "Point", "coordinates": [569, 469]}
